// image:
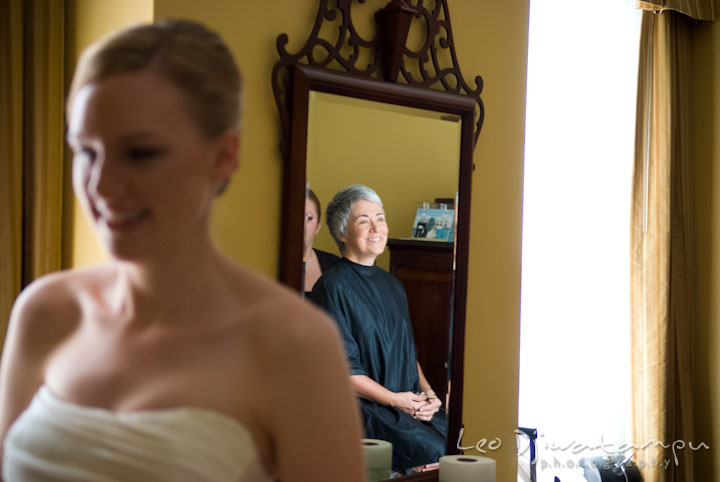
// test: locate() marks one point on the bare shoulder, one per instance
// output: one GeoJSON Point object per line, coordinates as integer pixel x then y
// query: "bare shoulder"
{"type": "Point", "coordinates": [303, 388]}
{"type": "Point", "coordinates": [54, 301]}
{"type": "Point", "coordinates": [294, 343]}
{"type": "Point", "coordinates": [45, 313]}
{"type": "Point", "coordinates": [287, 336]}
{"type": "Point", "coordinates": [279, 313]}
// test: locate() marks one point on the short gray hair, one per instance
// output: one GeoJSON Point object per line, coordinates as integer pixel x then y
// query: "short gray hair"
{"type": "Point", "coordinates": [338, 210]}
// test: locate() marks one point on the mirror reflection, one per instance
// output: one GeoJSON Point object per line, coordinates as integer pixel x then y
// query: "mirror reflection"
{"type": "Point", "coordinates": [395, 159]}
{"type": "Point", "coordinates": [406, 155]}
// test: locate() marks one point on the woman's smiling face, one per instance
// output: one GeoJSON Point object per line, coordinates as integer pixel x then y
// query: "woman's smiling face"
{"type": "Point", "coordinates": [142, 168]}
{"type": "Point", "coordinates": [366, 232]}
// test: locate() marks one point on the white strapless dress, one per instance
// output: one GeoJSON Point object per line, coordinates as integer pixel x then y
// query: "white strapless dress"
{"type": "Point", "coordinates": [54, 440]}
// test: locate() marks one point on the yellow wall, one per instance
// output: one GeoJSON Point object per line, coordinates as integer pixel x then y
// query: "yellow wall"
{"type": "Point", "coordinates": [491, 40]}
{"type": "Point", "coordinates": [87, 20]}
{"type": "Point", "coordinates": [406, 155]}
{"type": "Point", "coordinates": [705, 109]}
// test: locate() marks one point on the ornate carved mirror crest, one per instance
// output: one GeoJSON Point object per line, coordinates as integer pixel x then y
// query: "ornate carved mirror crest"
{"type": "Point", "coordinates": [390, 58]}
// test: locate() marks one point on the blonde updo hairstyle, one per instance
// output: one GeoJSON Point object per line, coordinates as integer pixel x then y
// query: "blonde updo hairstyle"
{"type": "Point", "coordinates": [187, 53]}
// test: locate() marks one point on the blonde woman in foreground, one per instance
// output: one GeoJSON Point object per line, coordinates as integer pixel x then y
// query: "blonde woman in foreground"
{"type": "Point", "coordinates": [170, 362]}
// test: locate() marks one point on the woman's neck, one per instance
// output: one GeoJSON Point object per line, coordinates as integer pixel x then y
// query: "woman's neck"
{"type": "Point", "coordinates": [170, 289]}
{"type": "Point", "coordinates": [312, 270]}
{"type": "Point", "coordinates": [308, 254]}
{"type": "Point", "coordinates": [365, 261]}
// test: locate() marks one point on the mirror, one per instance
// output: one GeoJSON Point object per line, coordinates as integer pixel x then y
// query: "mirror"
{"type": "Point", "coordinates": [321, 158]}
{"type": "Point", "coordinates": [344, 128]}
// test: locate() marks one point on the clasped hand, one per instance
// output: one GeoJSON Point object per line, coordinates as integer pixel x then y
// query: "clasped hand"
{"type": "Point", "coordinates": [418, 405]}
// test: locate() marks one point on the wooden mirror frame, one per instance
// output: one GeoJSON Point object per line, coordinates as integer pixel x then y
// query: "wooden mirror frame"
{"type": "Point", "coordinates": [296, 75]}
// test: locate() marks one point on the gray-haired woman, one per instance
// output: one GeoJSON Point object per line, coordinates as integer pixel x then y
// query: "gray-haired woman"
{"type": "Point", "coordinates": [370, 308]}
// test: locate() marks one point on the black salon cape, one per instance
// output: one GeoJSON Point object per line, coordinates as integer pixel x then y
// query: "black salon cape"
{"type": "Point", "coordinates": [370, 308]}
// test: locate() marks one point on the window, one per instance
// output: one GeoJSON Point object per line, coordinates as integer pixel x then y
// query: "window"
{"type": "Point", "coordinates": [575, 320]}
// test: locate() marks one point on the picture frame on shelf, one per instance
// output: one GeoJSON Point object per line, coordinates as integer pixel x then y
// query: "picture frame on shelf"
{"type": "Point", "coordinates": [434, 224]}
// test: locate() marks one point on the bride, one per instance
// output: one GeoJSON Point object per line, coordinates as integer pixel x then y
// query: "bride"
{"type": "Point", "coordinates": [170, 362]}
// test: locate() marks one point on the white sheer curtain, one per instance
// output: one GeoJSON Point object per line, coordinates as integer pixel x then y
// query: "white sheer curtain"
{"type": "Point", "coordinates": [574, 355]}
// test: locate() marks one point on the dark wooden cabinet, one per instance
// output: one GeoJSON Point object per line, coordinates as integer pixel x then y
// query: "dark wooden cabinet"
{"type": "Point", "coordinates": [425, 269]}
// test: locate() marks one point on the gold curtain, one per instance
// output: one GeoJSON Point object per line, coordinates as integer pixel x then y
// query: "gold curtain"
{"type": "Point", "coordinates": [11, 121]}
{"type": "Point", "coordinates": [31, 144]}
{"type": "Point", "coordinates": [661, 239]}
{"type": "Point", "coordinates": [697, 9]}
